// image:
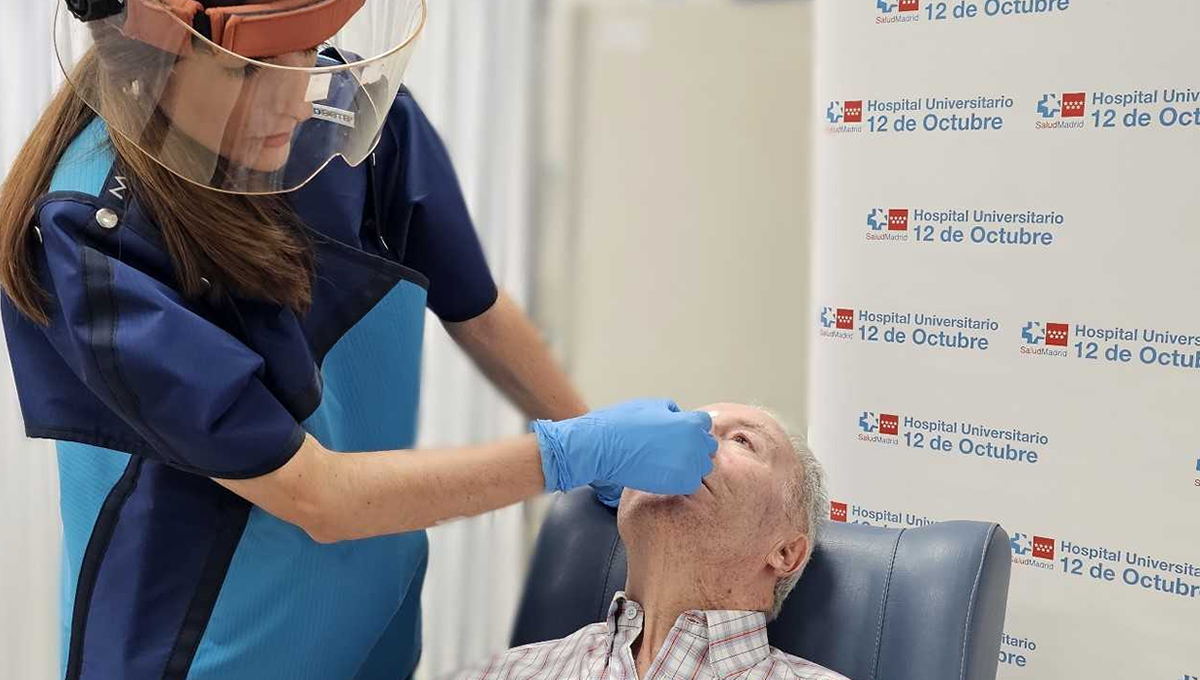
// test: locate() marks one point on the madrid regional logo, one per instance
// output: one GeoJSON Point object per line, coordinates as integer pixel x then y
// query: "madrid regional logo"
{"type": "Point", "coordinates": [838, 511]}
{"type": "Point", "coordinates": [889, 219]}
{"type": "Point", "coordinates": [849, 111]}
{"type": "Point", "coordinates": [1066, 105]}
{"type": "Point", "coordinates": [1041, 546]}
{"type": "Point", "coordinates": [883, 423]}
{"type": "Point", "coordinates": [837, 317]}
{"type": "Point", "coordinates": [886, 7]}
{"type": "Point", "coordinates": [1045, 333]}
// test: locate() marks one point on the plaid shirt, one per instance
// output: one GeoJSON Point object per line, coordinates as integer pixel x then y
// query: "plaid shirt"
{"type": "Point", "coordinates": [701, 645]}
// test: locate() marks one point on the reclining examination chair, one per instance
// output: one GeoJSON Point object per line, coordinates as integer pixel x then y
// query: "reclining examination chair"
{"type": "Point", "coordinates": [873, 604]}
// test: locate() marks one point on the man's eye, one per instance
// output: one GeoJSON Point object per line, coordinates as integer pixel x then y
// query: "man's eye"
{"type": "Point", "coordinates": [743, 440]}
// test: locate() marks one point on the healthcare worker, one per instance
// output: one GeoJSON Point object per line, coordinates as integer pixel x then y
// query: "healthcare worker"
{"type": "Point", "coordinates": [218, 245]}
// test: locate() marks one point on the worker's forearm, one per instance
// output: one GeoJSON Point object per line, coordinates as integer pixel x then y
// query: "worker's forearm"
{"type": "Point", "coordinates": [509, 350]}
{"type": "Point", "coordinates": [342, 496]}
{"type": "Point", "coordinates": [373, 494]}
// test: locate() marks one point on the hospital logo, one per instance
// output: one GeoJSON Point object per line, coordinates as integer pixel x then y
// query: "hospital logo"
{"type": "Point", "coordinates": [886, 7]}
{"type": "Point", "coordinates": [845, 117]}
{"type": "Point", "coordinates": [1066, 105]}
{"type": "Point", "coordinates": [837, 317]}
{"type": "Point", "coordinates": [837, 322]}
{"type": "Point", "coordinates": [1036, 552]}
{"type": "Point", "coordinates": [887, 224]}
{"type": "Point", "coordinates": [890, 219]}
{"type": "Point", "coordinates": [849, 111]}
{"type": "Point", "coordinates": [837, 511]}
{"type": "Point", "coordinates": [1048, 334]}
{"type": "Point", "coordinates": [883, 423]}
{"type": "Point", "coordinates": [1040, 547]}
{"type": "Point", "coordinates": [879, 428]}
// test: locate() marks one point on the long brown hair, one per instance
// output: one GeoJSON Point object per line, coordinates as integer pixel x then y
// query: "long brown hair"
{"type": "Point", "coordinates": [251, 246]}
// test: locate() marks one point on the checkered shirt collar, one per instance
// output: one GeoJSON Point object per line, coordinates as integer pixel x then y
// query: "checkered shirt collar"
{"type": "Point", "coordinates": [737, 640]}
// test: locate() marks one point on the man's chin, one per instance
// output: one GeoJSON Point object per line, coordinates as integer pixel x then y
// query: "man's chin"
{"type": "Point", "coordinates": [665, 520]}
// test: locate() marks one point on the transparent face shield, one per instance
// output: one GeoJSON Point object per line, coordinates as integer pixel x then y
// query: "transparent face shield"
{"type": "Point", "coordinates": [249, 99]}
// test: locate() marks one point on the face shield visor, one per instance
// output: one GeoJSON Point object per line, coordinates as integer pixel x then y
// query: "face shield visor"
{"type": "Point", "coordinates": [248, 98]}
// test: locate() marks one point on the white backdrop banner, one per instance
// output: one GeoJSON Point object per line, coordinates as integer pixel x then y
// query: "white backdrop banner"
{"type": "Point", "coordinates": [1006, 277]}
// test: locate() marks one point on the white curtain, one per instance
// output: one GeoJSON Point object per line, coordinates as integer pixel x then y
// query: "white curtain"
{"type": "Point", "coordinates": [473, 74]}
{"type": "Point", "coordinates": [30, 530]}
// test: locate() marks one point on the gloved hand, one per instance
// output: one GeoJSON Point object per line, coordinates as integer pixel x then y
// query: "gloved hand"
{"type": "Point", "coordinates": [647, 444]}
{"type": "Point", "coordinates": [608, 493]}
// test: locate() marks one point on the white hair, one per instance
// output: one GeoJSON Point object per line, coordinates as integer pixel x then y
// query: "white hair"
{"type": "Point", "coordinates": [806, 503]}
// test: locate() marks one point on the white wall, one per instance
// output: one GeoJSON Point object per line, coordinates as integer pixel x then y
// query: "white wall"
{"type": "Point", "coordinates": [674, 238]}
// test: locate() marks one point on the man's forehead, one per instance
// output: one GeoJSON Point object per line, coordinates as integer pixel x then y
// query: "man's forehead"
{"type": "Point", "coordinates": [752, 417]}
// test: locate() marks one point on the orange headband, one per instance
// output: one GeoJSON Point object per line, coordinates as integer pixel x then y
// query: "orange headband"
{"type": "Point", "coordinates": [263, 29]}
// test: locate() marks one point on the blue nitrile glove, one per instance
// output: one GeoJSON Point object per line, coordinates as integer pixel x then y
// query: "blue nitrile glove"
{"type": "Point", "coordinates": [647, 444]}
{"type": "Point", "coordinates": [608, 493]}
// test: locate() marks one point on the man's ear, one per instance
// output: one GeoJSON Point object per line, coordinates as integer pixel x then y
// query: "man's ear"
{"type": "Point", "coordinates": [789, 555]}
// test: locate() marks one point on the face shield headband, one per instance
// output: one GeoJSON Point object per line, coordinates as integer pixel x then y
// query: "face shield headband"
{"type": "Point", "coordinates": [264, 29]}
{"type": "Point", "coordinates": [238, 98]}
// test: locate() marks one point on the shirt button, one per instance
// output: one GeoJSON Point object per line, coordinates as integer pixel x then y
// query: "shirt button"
{"type": "Point", "coordinates": [631, 612]}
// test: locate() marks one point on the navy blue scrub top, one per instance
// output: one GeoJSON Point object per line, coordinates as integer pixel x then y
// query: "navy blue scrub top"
{"type": "Point", "coordinates": [165, 573]}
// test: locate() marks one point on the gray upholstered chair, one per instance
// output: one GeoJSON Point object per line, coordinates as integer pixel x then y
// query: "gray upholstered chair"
{"type": "Point", "coordinates": [874, 603]}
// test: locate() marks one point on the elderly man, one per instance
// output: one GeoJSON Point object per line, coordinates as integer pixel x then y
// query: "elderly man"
{"type": "Point", "coordinates": [705, 572]}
